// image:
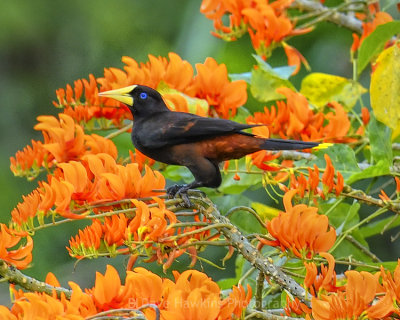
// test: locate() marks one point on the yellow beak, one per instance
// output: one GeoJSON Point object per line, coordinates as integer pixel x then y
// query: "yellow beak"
{"type": "Point", "coordinates": [121, 95]}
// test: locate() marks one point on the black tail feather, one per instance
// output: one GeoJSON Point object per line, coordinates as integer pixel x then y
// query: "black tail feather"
{"type": "Point", "coordinates": [280, 144]}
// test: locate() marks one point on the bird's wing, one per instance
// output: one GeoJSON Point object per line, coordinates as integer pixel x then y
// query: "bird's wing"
{"type": "Point", "coordinates": [178, 127]}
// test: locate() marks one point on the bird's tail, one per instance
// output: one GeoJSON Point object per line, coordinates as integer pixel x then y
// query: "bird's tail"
{"type": "Point", "coordinates": [280, 144]}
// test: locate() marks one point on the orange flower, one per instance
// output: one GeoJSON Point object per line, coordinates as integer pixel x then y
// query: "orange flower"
{"type": "Point", "coordinates": [83, 109]}
{"type": "Point", "coordinates": [6, 314]}
{"type": "Point", "coordinates": [235, 303]}
{"type": "Point", "coordinates": [108, 293]}
{"type": "Point", "coordinates": [261, 158]}
{"type": "Point", "coordinates": [311, 185]}
{"type": "Point", "coordinates": [295, 119]}
{"type": "Point", "coordinates": [365, 116]}
{"type": "Point", "coordinates": [397, 180]}
{"type": "Point", "coordinates": [296, 306]}
{"type": "Point", "coordinates": [383, 196]}
{"type": "Point", "coordinates": [64, 141]}
{"type": "Point", "coordinates": [140, 159]}
{"type": "Point", "coordinates": [87, 241]}
{"type": "Point", "coordinates": [20, 257]}
{"type": "Point", "coordinates": [327, 177]}
{"type": "Point", "coordinates": [359, 293]}
{"type": "Point", "coordinates": [28, 161]}
{"type": "Point", "coordinates": [326, 280]}
{"type": "Point", "coordinates": [389, 303]}
{"type": "Point", "coordinates": [339, 123]}
{"type": "Point", "coordinates": [193, 295]}
{"type": "Point", "coordinates": [143, 287]}
{"type": "Point", "coordinates": [368, 27]}
{"type": "Point", "coordinates": [266, 23]}
{"type": "Point", "coordinates": [300, 229]}
{"type": "Point", "coordinates": [173, 78]}
{"type": "Point", "coordinates": [97, 178]}
{"type": "Point", "coordinates": [295, 58]}
{"type": "Point", "coordinates": [212, 83]}
{"type": "Point", "coordinates": [27, 209]}
{"type": "Point", "coordinates": [196, 296]}
{"type": "Point", "coordinates": [29, 305]}
{"type": "Point", "coordinates": [119, 232]}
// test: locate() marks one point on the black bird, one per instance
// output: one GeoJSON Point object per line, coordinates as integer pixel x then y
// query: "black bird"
{"type": "Point", "coordinates": [189, 140]}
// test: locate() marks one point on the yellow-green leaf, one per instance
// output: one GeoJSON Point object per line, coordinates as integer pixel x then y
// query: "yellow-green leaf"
{"type": "Point", "coordinates": [264, 211]}
{"type": "Point", "coordinates": [322, 88]}
{"type": "Point", "coordinates": [385, 88]}
{"type": "Point", "coordinates": [192, 103]}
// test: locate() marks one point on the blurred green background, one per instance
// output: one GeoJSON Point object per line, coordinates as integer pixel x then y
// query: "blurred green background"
{"type": "Point", "coordinates": [46, 44]}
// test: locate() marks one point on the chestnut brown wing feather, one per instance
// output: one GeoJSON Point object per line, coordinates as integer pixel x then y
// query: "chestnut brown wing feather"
{"type": "Point", "coordinates": [172, 128]}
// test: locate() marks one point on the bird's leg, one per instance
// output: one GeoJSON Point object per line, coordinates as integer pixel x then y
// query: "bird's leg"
{"type": "Point", "coordinates": [206, 174]}
{"type": "Point", "coordinates": [181, 190]}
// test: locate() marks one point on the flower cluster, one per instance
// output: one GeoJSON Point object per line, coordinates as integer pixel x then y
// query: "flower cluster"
{"type": "Point", "coordinates": [266, 22]}
{"type": "Point", "coordinates": [361, 295]}
{"type": "Point", "coordinates": [373, 296]}
{"type": "Point", "coordinates": [311, 185]}
{"type": "Point", "coordinates": [142, 231]}
{"type": "Point", "coordinates": [74, 185]}
{"type": "Point", "coordinates": [64, 141]}
{"type": "Point", "coordinates": [300, 229]}
{"type": "Point", "coordinates": [210, 87]}
{"type": "Point", "coordinates": [192, 295]}
{"type": "Point", "coordinates": [295, 119]}
{"type": "Point", "coordinates": [20, 257]}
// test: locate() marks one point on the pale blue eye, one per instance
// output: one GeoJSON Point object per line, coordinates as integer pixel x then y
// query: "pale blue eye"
{"type": "Point", "coordinates": [143, 95]}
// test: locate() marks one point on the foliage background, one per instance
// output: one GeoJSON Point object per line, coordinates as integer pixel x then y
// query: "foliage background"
{"type": "Point", "coordinates": [46, 44]}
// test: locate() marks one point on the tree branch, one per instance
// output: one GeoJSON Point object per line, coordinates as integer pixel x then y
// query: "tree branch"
{"type": "Point", "coordinates": [13, 275]}
{"type": "Point", "coordinates": [249, 252]}
{"type": "Point", "coordinates": [330, 14]}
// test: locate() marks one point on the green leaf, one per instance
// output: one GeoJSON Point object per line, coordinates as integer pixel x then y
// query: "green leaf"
{"type": "Point", "coordinates": [282, 72]}
{"type": "Point", "coordinates": [343, 159]}
{"type": "Point", "coordinates": [376, 227]}
{"type": "Point", "coordinates": [228, 201]}
{"type": "Point", "coordinates": [246, 222]}
{"type": "Point", "coordinates": [347, 249]}
{"type": "Point", "coordinates": [192, 103]}
{"type": "Point", "coordinates": [380, 141]}
{"type": "Point", "coordinates": [387, 265]}
{"type": "Point", "coordinates": [375, 42]}
{"type": "Point", "coordinates": [342, 216]}
{"type": "Point", "coordinates": [265, 80]}
{"type": "Point", "coordinates": [385, 88]}
{"type": "Point", "coordinates": [382, 168]}
{"type": "Point", "coordinates": [322, 88]}
{"type": "Point", "coordinates": [241, 115]}
{"type": "Point", "coordinates": [246, 76]}
{"type": "Point", "coordinates": [177, 173]}
{"type": "Point", "coordinates": [247, 181]}
{"type": "Point", "coordinates": [264, 211]}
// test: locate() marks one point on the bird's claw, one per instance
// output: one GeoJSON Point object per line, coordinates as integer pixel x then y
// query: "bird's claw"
{"type": "Point", "coordinates": [180, 190]}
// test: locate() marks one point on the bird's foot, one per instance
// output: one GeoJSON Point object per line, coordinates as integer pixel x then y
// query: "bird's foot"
{"type": "Point", "coordinates": [180, 190]}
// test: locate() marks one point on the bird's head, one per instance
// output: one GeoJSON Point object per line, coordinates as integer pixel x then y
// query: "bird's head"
{"type": "Point", "coordinates": [141, 100]}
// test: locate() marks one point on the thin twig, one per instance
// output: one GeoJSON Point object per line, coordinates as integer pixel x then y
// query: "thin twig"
{"type": "Point", "coordinates": [119, 131]}
{"type": "Point", "coordinates": [259, 290]}
{"type": "Point", "coordinates": [264, 315]}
